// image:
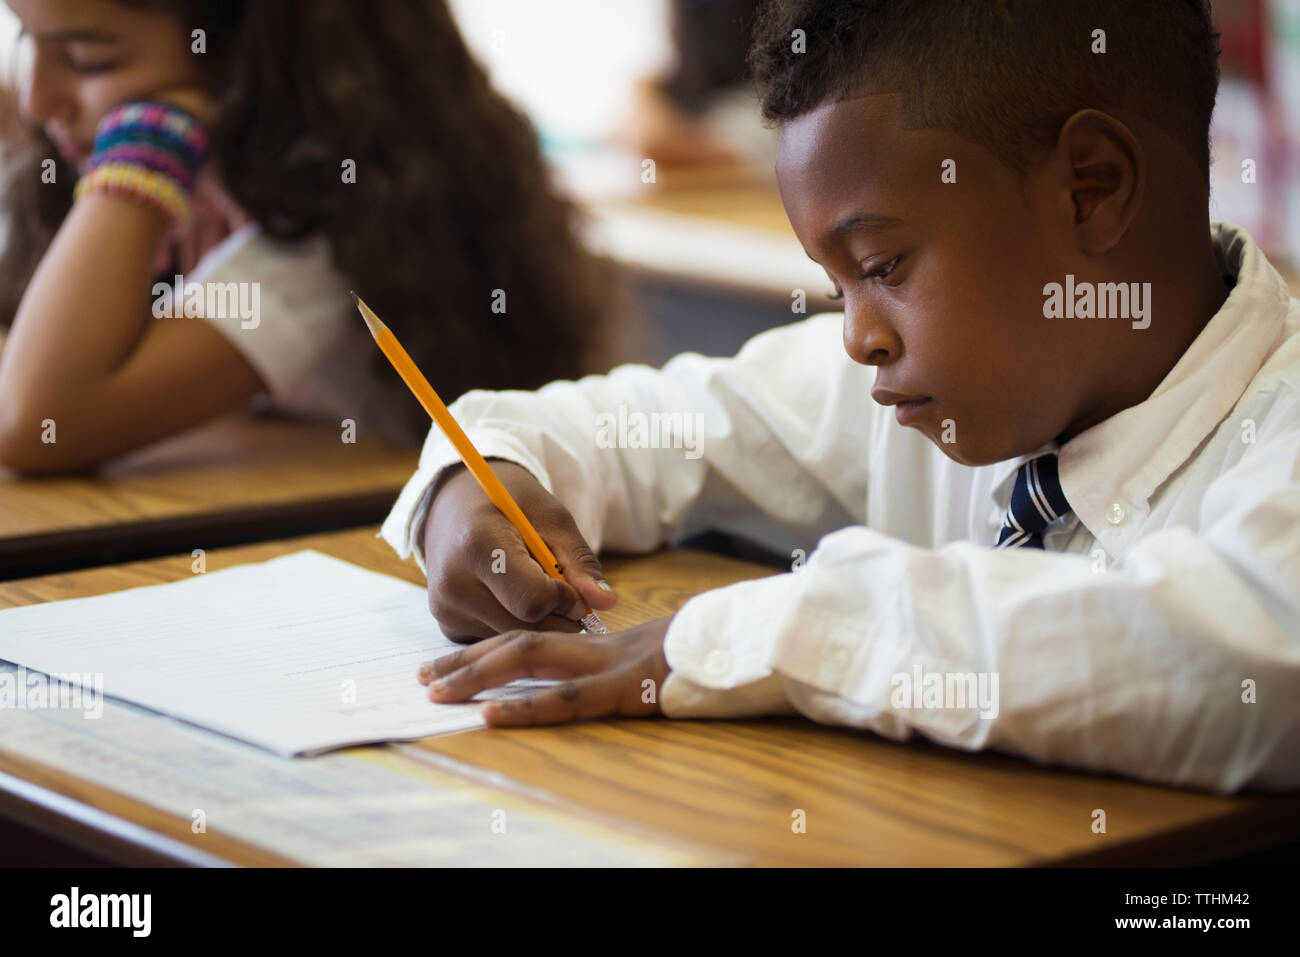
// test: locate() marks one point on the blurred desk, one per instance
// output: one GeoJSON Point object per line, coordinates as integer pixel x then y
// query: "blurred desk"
{"type": "Point", "coordinates": [726, 791]}
{"type": "Point", "coordinates": [723, 229]}
{"type": "Point", "coordinates": [238, 478]}
{"type": "Point", "coordinates": [708, 257]}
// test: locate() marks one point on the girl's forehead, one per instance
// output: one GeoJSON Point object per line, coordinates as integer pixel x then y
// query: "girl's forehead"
{"type": "Point", "coordinates": [84, 21]}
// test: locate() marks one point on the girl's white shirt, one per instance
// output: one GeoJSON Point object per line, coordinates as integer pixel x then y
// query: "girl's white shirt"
{"type": "Point", "coordinates": [306, 342]}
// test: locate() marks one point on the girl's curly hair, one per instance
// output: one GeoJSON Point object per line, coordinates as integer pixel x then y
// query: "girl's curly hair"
{"type": "Point", "coordinates": [451, 201]}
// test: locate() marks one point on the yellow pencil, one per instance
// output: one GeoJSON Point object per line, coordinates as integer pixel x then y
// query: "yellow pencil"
{"type": "Point", "coordinates": [419, 385]}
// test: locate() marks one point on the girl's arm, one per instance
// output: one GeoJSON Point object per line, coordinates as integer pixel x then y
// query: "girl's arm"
{"type": "Point", "coordinates": [85, 353]}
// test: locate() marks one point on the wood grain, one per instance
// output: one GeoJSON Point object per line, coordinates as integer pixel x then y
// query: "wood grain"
{"type": "Point", "coordinates": [732, 787]}
{"type": "Point", "coordinates": [239, 473]}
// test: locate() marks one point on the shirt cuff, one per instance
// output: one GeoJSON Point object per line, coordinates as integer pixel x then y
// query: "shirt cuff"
{"type": "Point", "coordinates": [721, 658]}
{"type": "Point", "coordinates": [403, 529]}
{"type": "Point", "coordinates": [683, 698]}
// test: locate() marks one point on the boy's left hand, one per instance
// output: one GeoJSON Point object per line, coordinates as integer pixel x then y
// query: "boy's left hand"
{"type": "Point", "coordinates": [618, 674]}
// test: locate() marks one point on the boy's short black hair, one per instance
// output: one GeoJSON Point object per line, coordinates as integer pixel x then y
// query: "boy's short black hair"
{"type": "Point", "coordinates": [1003, 73]}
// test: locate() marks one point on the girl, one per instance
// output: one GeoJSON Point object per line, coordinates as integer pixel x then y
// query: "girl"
{"type": "Point", "coordinates": [279, 153]}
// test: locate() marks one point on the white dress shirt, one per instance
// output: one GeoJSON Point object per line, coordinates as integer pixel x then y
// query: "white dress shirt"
{"type": "Point", "coordinates": [1157, 635]}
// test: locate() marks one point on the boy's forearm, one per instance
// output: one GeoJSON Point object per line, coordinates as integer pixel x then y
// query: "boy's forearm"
{"type": "Point", "coordinates": [520, 428]}
{"type": "Point", "coordinates": [642, 455]}
{"type": "Point", "coordinates": [1140, 670]}
{"type": "Point", "coordinates": [404, 528]}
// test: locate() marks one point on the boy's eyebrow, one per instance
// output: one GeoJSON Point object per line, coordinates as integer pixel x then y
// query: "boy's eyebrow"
{"type": "Point", "coordinates": [863, 223]}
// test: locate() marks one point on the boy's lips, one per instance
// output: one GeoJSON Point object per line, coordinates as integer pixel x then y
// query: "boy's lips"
{"type": "Point", "coordinates": [906, 407]}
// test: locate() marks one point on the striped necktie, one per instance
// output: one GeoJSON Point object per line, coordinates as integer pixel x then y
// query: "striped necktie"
{"type": "Point", "coordinates": [1036, 501]}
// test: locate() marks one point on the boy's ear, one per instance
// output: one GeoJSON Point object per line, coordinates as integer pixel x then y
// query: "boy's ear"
{"type": "Point", "coordinates": [1105, 169]}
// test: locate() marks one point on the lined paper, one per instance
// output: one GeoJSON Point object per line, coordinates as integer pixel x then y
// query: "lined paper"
{"type": "Point", "coordinates": [300, 654]}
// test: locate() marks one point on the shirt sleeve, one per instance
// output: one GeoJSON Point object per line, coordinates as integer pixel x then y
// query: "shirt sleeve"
{"type": "Point", "coordinates": [747, 445]}
{"type": "Point", "coordinates": [285, 306]}
{"type": "Point", "coordinates": [1179, 665]}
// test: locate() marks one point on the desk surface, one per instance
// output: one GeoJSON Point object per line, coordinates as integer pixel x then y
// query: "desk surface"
{"type": "Point", "coordinates": [236, 478]}
{"type": "Point", "coordinates": [727, 787]}
{"type": "Point", "coordinates": [724, 229]}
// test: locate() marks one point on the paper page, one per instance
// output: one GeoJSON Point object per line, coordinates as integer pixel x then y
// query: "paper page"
{"type": "Point", "coordinates": [299, 654]}
{"type": "Point", "coordinates": [369, 807]}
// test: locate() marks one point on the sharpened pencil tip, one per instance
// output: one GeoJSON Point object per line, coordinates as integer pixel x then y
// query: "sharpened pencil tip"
{"type": "Point", "coordinates": [373, 322]}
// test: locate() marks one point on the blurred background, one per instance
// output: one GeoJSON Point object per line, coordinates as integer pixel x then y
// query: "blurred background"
{"type": "Point", "coordinates": [708, 255]}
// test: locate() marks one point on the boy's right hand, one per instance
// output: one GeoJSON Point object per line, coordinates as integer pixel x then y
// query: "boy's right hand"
{"type": "Point", "coordinates": [482, 578]}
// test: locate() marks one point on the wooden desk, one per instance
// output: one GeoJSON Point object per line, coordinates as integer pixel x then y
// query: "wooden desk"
{"type": "Point", "coordinates": [723, 230]}
{"type": "Point", "coordinates": [238, 478]}
{"type": "Point", "coordinates": [727, 787]}
{"type": "Point", "coordinates": [708, 259]}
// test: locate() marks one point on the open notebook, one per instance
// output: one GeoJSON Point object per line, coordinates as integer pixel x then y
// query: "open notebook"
{"type": "Point", "coordinates": [298, 655]}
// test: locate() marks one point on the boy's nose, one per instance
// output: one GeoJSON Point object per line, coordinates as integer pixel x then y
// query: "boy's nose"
{"type": "Point", "coordinates": [868, 339]}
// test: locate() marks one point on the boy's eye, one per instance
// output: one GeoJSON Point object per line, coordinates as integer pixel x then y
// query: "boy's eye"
{"type": "Point", "coordinates": [879, 273]}
{"type": "Point", "coordinates": [882, 272]}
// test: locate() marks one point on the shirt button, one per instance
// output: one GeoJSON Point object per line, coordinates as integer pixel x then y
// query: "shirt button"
{"type": "Point", "coordinates": [1115, 514]}
{"type": "Point", "coordinates": [717, 663]}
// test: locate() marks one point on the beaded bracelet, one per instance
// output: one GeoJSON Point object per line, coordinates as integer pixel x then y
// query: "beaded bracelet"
{"type": "Point", "coordinates": [151, 152]}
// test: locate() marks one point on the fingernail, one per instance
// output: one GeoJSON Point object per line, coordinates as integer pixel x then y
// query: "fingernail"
{"type": "Point", "coordinates": [604, 585]}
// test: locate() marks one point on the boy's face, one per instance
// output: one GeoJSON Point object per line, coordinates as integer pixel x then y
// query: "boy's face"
{"type": "Point", "coordinates": [943, 281]}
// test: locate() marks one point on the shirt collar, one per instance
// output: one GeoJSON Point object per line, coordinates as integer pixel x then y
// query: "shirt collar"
{"type": "Point", "coordinates": [1110, 472]}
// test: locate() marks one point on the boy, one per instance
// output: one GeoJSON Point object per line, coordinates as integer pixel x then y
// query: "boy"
{"type": "Point", "coordinates": [1079, 482]}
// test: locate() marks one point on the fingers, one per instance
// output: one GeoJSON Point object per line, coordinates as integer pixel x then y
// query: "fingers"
{"type": "Point", "coordinates": [497, 661]}
{"type": "Point", "coordinates": [187, 255]}
{"type": "Point", "coordinates": [194, 100]}
{"type": "Point", "coordinates": [579, 700]}
{"type": "Point", "coordinates": [472, 632]}
{"type": "Point", "coordinates": [482, 578]}
{"type": "Point", "coordinates": [467, 609]}
{"type": "Point", "coordinates": [448, 663]}
{"type": "Point", "coordinates": [619, 675]}
{"type": "Point", "coordinates": [163, 255]}
{"type": "Point", "coordinates": [500, 623]}
{"type": "Point", "coordinates": [228, 216]}
{"type": "Point", "coordinates": [483, 622]}
{"type": "Point", "coordinates": [521, 588]}
{"type": "Point", "coordinates": [212, 232]}
{"type": "Point", "coordinates": [579, 564]}
{"type": "Point", "coordinates": [236, 218]}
